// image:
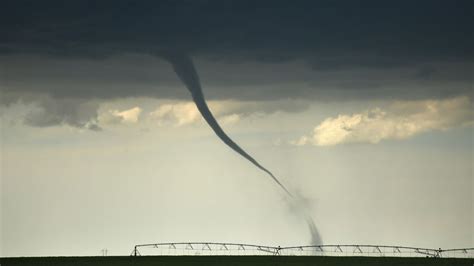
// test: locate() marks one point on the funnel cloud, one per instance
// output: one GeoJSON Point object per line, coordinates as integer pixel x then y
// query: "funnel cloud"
{"type": "Point", "coordinates": [183, 66]}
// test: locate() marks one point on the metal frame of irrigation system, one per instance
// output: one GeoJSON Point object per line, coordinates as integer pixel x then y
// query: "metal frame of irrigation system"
{"type": "Point", "coordinates": [236, 249]}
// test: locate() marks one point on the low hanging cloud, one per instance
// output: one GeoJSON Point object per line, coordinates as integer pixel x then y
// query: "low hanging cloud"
{"type": "Point", "coordinates": [227, 112]}
{"type": "Point", "coordinates": [73, 112]}
{"type": "Point", "coordinates": [129, 116]}
{"type": "Point", "coordinates": [185, 113]}
{"type": "Point", "coordinates": [401, 120]}
{"type": "Point", "coordinates": [177, 114]}
{"type": "Point", "coordinates": [46, 111]}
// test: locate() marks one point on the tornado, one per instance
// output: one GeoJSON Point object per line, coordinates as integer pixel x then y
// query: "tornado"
{"type": "Point", "coordinates": [183, 66]}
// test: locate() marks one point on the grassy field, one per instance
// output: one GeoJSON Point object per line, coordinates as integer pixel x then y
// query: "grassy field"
{"type": "Point", "coordinates": [232, 260]}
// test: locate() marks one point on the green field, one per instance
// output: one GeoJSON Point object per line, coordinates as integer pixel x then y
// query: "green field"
{"type": "Point", "coordinates": [233, 260]}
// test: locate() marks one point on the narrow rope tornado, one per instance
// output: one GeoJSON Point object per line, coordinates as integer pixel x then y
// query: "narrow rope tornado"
{"type": "Point", "coordinates": [183, 66]}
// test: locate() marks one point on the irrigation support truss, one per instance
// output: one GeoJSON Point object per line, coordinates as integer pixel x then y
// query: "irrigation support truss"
{"type": "Point", "coordinates": [216, 248]}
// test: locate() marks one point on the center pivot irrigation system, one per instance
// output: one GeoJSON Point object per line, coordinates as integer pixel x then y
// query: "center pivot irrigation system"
{"type": "Point", "coordinates": [234, 249]}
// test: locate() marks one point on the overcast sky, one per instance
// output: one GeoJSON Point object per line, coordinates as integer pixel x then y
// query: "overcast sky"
{"type": "Point", "coordinates": [364, 109]}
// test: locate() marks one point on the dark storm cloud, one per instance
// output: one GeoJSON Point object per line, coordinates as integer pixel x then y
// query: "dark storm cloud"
{"type": "Point", "coordinates": [270, 31]}
{"type": "Point", "coordinates": [246, 50]}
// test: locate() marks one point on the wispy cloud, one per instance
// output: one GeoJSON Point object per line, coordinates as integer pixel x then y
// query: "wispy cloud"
{"type": "Point", "coordinates": [73, 112]}
{"type": "Point", "coordinates": [177, 114]}
{"type": "Point", "coordinates": [185, 113]}
{"type": "Point", "coordinates": [116, 117]}
{"type": "Point", "coordinates": [45, 111]}
{"type": "Point", "coordinates": [401, 120]}
{"type": "Point", "coordinates": [227, 112]}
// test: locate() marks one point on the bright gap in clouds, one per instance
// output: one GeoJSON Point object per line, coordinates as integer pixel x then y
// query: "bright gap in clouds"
{"type": "Point", "coordinates": [394, 120]}
{"type": "Point", "coordinates": [400, 120]}
{"type": "Point", "coordinates": [175, 114]}
{"type": "Point", "coordinates": [184, 113]}
{"type": "Point", "coordinates": [115, 116]}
